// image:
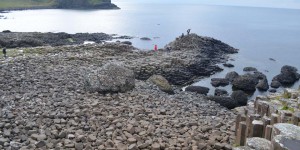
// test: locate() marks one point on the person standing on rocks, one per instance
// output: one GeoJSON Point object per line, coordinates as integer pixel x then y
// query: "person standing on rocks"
{"type": "Point", "coordinates": [4, 52]}
{"type": "Point", "coordinates": [188, 31]}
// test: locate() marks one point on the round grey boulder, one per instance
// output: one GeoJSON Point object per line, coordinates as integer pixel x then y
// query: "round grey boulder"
{"type": "Point", "coordinates": [258, 143]}
{"type": "Point", "coordinates": [110, 78]}
{"type": "Point", "coordinates": [162, 83]}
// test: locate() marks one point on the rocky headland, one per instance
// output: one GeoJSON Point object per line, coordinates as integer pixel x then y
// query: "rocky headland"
{"type": "Point", "coordinates": [113, 96]}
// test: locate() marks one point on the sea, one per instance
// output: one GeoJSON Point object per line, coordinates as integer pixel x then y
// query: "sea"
{"type": "Point", "coordinates": [267, 38]}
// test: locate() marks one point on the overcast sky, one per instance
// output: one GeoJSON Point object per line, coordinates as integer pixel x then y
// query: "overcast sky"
{"type": "Point", "coordinates": [255, 3]}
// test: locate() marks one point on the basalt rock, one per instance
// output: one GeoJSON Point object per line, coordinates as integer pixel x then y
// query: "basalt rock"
{"type": "Point", "coordinates": [110, 78]}
{"type": "Point", "coordinates": [162, 83]}
{"type": "Point", "coordinates": [231, 75]}
{"type": "Point", "coordinates": [245, 83]}
{"type": "Point", "coordinates": [240, 97]}
{"type": "Point", "coordinates": [288, 75]}
{"type": "Point", "coordinates": [227, 102]}
{"type": "Point", "coordinates": [198, 89]}
{"type": "Point", "coordinates": [216, 82]}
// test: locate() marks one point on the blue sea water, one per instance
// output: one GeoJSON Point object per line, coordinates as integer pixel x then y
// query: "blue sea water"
{"type": "Point", "coordinates": [259, 33]}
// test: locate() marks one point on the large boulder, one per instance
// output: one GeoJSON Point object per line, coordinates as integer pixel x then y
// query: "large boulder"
{"type": "Point", "coordinates": [258, 143]}
{"type": "Point", "coordinates": [240, 97]}
{"type": "Point", "coordinates": [263, 85]}
{"type": "Point", "coordinates": [231, 75]}
{"type": "Point", "coordinates": [275, 84]}
{"type": "Point", "coordinates": [162, 83]}
{"type": "Point", "coordinates": [110, 78]}
{"type": "Point", "coordinates": [245, 83]}
{"type": "Point", "coordinates": [285, 136]}
{"type": "Point", "coordinates": [227, 102]}
{"type": "Point", "coordinates": [216, 82]}
{"type": "Point", "coordinates": [288, 75]}
{"type": "Point", "coordinates": [198, 89]}
{"type": "Point", "coordinates": [221, 92]}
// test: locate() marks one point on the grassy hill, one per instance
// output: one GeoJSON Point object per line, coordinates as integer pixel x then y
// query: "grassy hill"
{"type": "Point", "coordinates": [32, 4]}
{"type": "Point", "coordinates": [14, 4]}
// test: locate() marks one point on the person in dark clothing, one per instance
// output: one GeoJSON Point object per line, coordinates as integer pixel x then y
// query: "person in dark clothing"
{"type": "Point", "coordinates": [188, 31]}
{"type": "Point", "coordinates": [4, 52]}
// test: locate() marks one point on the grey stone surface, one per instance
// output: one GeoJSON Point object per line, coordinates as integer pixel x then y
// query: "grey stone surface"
{"type": "Point", "coordinates": [258, 143]}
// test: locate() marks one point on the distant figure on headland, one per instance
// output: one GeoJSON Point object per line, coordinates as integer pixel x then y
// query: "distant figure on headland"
{"type": "Point", "coordinates": [188, 31]}
{"type": "Point", "coordinates": [4, 52]}
{"type": "Point", "coordinates": [182, 35]}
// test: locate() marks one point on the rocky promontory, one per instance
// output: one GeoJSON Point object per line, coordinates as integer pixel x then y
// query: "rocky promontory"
{"type": "Point", "coordinates": [45, 103]}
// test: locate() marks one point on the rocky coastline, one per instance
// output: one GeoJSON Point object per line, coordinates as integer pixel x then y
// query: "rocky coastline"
{"type": "Point", "coordinates": [66, 95]}
{"type": "Point", "coordinates": [45, 102]}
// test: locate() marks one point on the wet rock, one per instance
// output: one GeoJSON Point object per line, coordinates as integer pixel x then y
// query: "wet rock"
{"type": "Point", "coordinates": [127, 42]}
{"type": "Point", "coordinates": [110, 78]}
{"type": "Point", "coordinates": [221, 92]}
{"type": "Point", "coordinates": [258, 143]}
{"type": "Point", "coordinates": [231, 75]}
{"type": "Point", "coordinates": [275, 84]}
{"type": "Point", "coordinates": [198, 89]}
{"type": "Point", "coordinates": [245, 83]}
{"type": "Point", "coordinates": [272, 90]}
{"type": "Point", "coordinates": [249, 69]}
{"type": "Point", "coordinates": [263, 85]}
{"type": "Point", "coordinates": [240, 97]}
{"type": "Point", "coordinates": [162, 83]}
{"type": "Point", "coordinates": [216, 82]}
{"type": "Point", "coordinates": [288, 75]}
{"type": "Point", "coordinates": [243, 148]}
{"type": "Point", "coordinates": [227, 102]}
{"type": "Point", "coordinates": [228, 65]}
{"type": "Point", "coordinates": [145, 39]}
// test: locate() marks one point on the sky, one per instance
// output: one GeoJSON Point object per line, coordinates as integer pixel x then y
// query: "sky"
{"type": "Point", "coordinates": [294, 4]}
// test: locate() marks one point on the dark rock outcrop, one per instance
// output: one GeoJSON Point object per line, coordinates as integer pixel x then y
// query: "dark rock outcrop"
{"type": "Point", "coordinates": [275, 84]}
{"type": "Point", "coordinates": [110, 78]}
{"type": "Point", "coordinates": [249, 69]}
{"type": "Point", "coordinates": [245, 83]}
{"type": "Point", "coordinates": [198, 89]}
{"type": "Point", "coordinates": [240, 97]}
{"type": "Point", "coordinates": [220, 92]}
{"type": "Point", "coordinates": [216, 82]}
{"type": "Point", "coordinates": [228, 65]}
{"type": "Point", "coordinates": [34, 39]}
{"type": "Point", "coordinates": [288, 75]}
{"type": "Point", "coordinates": [227, 102]}
{"type": "Point", "coordinates": [263, 85]}
{"type": "Point", "coordinates": [231, 75]}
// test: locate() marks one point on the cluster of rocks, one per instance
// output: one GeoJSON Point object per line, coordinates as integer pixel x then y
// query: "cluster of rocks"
{"type": "Point", "coordinates": [71, 97]}
{"type": "Point", "coordinates": [272, 120]}
{"type": "Point", "coordinates": [184, 60]}
{"type": "Point", "coordinates": [246, 84]}
{"type": "Point", "coordinates": [34, 39]}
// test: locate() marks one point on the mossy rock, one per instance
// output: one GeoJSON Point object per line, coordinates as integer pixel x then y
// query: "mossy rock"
{"type": "Point", "coordinates": [162, 83]}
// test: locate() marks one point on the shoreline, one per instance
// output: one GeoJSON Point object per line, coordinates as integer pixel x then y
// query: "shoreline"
{"type": "Point", "coordinates": [47, 84]}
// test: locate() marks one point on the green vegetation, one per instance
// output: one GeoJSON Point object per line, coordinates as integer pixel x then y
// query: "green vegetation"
{"type": "Point", "coordinates": [27, 4]}
{"type": "Point", "coordinates": [15, 4]}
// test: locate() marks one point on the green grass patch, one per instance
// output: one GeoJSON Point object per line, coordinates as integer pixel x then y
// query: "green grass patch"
{"type": "Point", "coordinates": [11, 4]}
